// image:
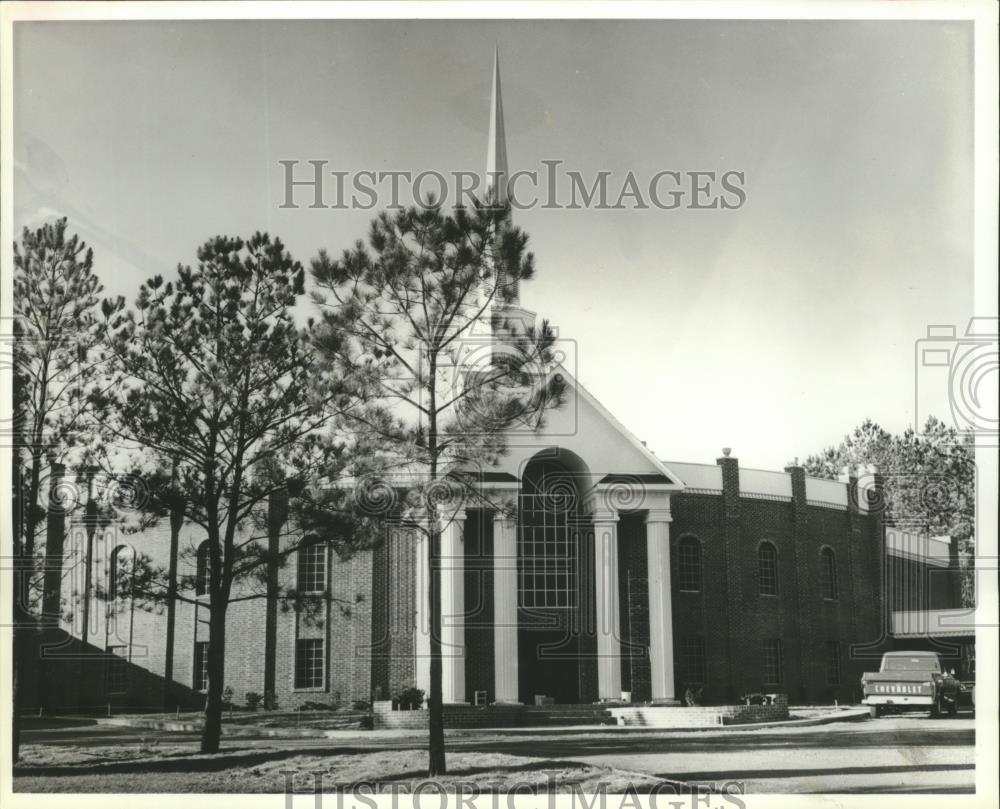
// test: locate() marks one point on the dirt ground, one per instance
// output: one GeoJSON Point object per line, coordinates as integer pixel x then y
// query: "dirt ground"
{"type": "Point", "coordinates": [164, 768]}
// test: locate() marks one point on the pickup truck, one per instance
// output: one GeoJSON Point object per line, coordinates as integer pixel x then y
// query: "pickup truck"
{"type": "Point", "coordinates": [908, 680]}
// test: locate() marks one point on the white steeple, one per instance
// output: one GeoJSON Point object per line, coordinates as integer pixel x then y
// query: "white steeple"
{"type": "Point", "coordinates": [497, 175]}
{"type": "Point", "coordinates": [496, 148]}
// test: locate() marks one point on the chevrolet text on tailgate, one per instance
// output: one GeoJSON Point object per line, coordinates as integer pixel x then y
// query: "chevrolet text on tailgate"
{"type": "Point", "coordinates": [911, 680]}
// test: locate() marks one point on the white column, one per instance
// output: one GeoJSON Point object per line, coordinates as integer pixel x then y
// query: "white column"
{"type": "Point", "coordinates": [661, 623]}
{"type": "Point", "coordinates": [422, 611]}
{"type": "Point", "coordinates": [453, 609]}
{"type": "Point", "coordinates": [505, 609]}
{"type": "Point", "coordinates": [609, 648]}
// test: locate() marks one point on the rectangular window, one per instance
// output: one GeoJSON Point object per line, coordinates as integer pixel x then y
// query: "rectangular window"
{"type": "Point", "coordinates": [548, 538]}
{"type": "Point", "coordinates": [201, 576]}
{"type": "Point", "coordinates": [312, 569]}
{"type": "Point", "coordinates": [309, 663]}
{"type": "Point", "coordinates": [689, 565]}
{"type": "Point", "coordinates": [117, 676]}
{"type": "Point", "coordinates": [829, 571]}
{"type": "Point", "coordinates": [201, 665]}
{"type": "Point", "coordinates": [691, 653]}
{"type": "Point", "coordinates": [833, 662]}
{"type": "Point", "coordinates": [772, 661]}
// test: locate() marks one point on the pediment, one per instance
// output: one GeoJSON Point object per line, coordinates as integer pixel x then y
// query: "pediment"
{"type": "Point", "coordinates": [584, 428]}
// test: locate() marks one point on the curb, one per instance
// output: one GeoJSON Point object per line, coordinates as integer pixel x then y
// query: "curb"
{"type": "Point", "coordinates": [242, 730]}
{"type": "Point", "coordinates": [845, 715]}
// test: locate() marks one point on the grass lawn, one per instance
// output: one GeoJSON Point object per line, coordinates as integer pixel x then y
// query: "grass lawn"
{"type": "Point", "coordinates": [175, 768]}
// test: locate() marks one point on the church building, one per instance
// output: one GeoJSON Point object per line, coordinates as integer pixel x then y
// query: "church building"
{"type": "Point", "coordinates": [633, 579]}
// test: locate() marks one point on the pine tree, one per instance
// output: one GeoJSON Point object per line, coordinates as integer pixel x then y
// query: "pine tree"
{"type": "Point", "coordinates": [401, 313]}
{"type": "Point", "coordinates": [221, 387]}
{"type": "Point", "coordinates": [929, 480]}
{"type": "Point", "coordinates": [59, 363]}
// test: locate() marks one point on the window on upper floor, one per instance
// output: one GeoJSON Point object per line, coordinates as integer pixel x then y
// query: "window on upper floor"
{"type": "Point", "coordinates": [828, 573]}
{"type": "Point", "coordinates": [120, 572]}
{"type": "Point", "coordinates": [311, 576]}
{"type": "Point", "coordinates": [202, 565]}
{"type": "Point", "coordinates": [767, 569]}
{"type": "Point", "coordinates": [547, 543]}
{"type": "Point", "coordinates": [689, 564]}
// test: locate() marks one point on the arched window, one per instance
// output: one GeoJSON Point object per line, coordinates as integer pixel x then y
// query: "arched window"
{"type": "Point", "coordinates": [689, 564]}
{"type": "Point", "coordinates": [548, 533]}
{"type": "Point", "coordinates": [828, 573]}
{"type": "Point", "coordinates": [767, 569]}
{"type": "Point", "coordinates": [120, 571]}
{"type": "Point", "coordinates": [202, 563]}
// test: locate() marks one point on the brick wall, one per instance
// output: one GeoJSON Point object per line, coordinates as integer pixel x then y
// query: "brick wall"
{"type": "Point", "coordinates": [370, 641]}
{"type": "Point", "coordinates": [734, 619]}
{"type": "Point", "coordinates": [393, 611]}
{"type": "Point", "coordinates": [350, 631]}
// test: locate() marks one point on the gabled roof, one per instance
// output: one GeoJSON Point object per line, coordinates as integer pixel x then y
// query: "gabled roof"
{"type": "Point", "coordinates": [587, 428]}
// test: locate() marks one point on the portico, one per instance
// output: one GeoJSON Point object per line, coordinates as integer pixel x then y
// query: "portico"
{"type": "Point", "coordinates": [556, 587]}
{"type": "Point", "coordinates": [546, 574]}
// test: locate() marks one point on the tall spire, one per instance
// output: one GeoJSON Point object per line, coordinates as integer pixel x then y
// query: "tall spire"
{"type": "Point", "coordinates": [497, 176]}
{"type": "Point", "coordinates": [496, 149]}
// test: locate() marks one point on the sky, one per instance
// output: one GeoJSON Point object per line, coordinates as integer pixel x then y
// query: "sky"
{"type": "Point", "coordinates": [772, 329]}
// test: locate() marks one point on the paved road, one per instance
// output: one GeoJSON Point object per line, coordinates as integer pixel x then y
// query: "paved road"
{"type": "Point", "coordinates": [893, 754]}
{"type": "Point", "coordinates": [905, 754]}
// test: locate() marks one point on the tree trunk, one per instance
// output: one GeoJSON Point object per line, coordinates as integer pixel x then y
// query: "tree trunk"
{"type": "Point", "coordinates": [23, 524]}
{"type": "Point", "coordinates": [277, 514]}
{"type": "Point", "coordinates": [15, 724]}
{"type": "Point", "coordinates": [436, 764]}
{"type": "Point", "coordinates": [176, 523]}
{"type": "Point", "coordinates": [22, 637]}
{"type": "Point", "coordinates": [212, 732]}
{"type": "Point", "coordinates": [55, 538]}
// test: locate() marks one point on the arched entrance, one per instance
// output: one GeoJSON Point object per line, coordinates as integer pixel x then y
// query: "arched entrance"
{"type": "Point", "coordinates": [555, 544]}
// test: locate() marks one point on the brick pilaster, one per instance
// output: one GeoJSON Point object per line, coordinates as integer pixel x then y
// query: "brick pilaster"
{"type": "Point", "coordinates": [732, 541]}
{"type": "Point", "coordinates": [808, 645]}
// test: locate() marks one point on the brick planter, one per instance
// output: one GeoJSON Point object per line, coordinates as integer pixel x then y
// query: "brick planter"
{"type": "Point", "coordinates": [742, 714]}
{"type": "Point", "coordinates": [656, 716]}
{"type": "Point", "coordinates": [505, 716]}
{"type": "Point", "coordinates": [455, 716]}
